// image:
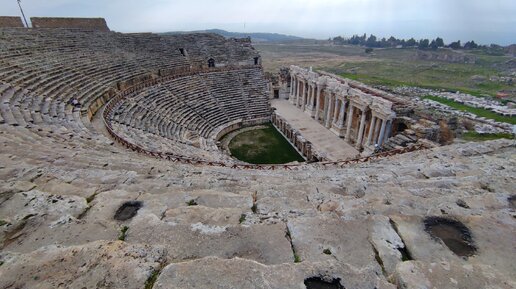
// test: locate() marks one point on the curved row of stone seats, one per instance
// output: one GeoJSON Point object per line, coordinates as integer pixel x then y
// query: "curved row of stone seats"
{"type": "Point", "coordinates": [197, 46]}
{"type": "Point", "coordinates": [189, 109]}
{"type": "Point", "coordinates": [154, 141]}
{"type": "Point", "coordinates": [150, 111]}
{"type": "Point", "coordinates": [43, 70]}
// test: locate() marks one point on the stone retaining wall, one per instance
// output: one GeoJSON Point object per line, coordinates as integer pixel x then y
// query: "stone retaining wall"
{"type": "Point", "coordinates": [81, 23]}
{"type": "Point", "coordinates": [11, 22]}
{"type": "Point", "coordinates": [303, 146]}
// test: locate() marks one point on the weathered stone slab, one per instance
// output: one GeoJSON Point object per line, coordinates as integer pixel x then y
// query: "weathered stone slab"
{"type": "Point", "coordinates": [493, 240]}
{"type": "Point", "coordinates": [263, 243]}
{"type": "Point", "coordinates": [99, 264]}
{"type": "Point", "coordinates": [387, 243]}
{"type": "Point", "coordinates": [346, 240]}
{"type": "Point", "coordinates": [204, 215]}
{"type": "Point", "coordinates": [65, 231]}
{"type": "Point", "coordinates": [449, 275]}
{"type": "Point", "coordinates": [33, 203]}
{"type": "Point", "coordinates": [216, 273]}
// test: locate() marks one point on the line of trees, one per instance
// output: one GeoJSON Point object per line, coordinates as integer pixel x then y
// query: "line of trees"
{"type": "Point", "coordinates": [373, 42]}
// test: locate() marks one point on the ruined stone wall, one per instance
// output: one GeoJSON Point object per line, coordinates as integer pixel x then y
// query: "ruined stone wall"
{"type": "Point", "coordinates": [303, 146]}
{"type": "Point", "coordinates": [11, 21]}
{"type": "Point", "coordinates": [82, 23]}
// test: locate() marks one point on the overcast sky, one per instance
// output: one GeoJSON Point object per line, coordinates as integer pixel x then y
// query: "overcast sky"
{"type": "Point", "coordinates": [485, 21]}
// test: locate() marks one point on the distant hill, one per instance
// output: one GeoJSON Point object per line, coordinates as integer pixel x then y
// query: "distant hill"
{"type": "Point", "coordinates": [255, 37]}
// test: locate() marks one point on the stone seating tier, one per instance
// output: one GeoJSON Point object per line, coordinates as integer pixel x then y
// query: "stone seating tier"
{"type": "Point", "coordinates": [43, 70]}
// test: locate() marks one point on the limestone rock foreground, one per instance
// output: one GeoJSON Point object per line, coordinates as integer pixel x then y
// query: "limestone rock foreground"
{"type": "Point", "coordinates": [226, 229]}
{"type": "Point", "coordinates": [98, 264]}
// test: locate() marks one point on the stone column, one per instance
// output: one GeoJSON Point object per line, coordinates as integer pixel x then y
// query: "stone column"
{"type": "Point", "coordinates": [387, 132]}
{"type": "Point", "coordinates": [361, 130]}
{"type": "Point", "coordinates": [299, 91]}
{"type": "Point", "coordinates": [305, 94]}
{"type": "Point", "coordinates": [377, 130]}
{"type": "Point", "coordinates": [341, 114]}
{"type": "Point", "coordinates": [350, 120]}
{"type": "Point", "coordinates": [371, 130]}
{"type": "Point", "coordinates": [313, 96]}
{"type": "Point", "coordinates": [329, 112]}
{"type": "Point", "coordinates": [317, 103]}
{"type": "Point", "coordinates": [325, 109]}
{"type": "Point", "coordinates": [296, 90]}
{"type": "Point", "coordinates": [389, 129]}
{"type": "Point", "coordinates": [382, 133]}
{"type": "Point", "coordinates": [291, 86]}
{"type": "Point", "coordinates": [336, 109]}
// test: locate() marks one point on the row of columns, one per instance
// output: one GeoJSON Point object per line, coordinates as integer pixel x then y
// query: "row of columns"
{"type": "Point", "coordinates": [307, 97]}
{"type": "Point", "coordinates": [301, 144]}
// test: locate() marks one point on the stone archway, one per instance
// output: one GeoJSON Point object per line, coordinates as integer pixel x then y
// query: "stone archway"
{"type": "Point", "coordinates": [211, 62]}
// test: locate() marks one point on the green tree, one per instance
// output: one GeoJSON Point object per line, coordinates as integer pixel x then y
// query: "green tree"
{"type": "Point", "coordinates": [371, 41]}
{"type": "Point", "coordinates": [455, 45]}
{"type": "Point", "coordinates": [410, 43]}
{"type": "Point", "coordinates": [433, 45]}
{"type": "Point", "coordinates": [470, 45]}
{"type": "Point", "coordinates": [423, 44]}
{"type": "Point", "coordinates": [439, 42]}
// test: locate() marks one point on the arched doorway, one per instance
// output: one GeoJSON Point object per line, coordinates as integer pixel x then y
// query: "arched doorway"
{"type": "Point", "coordinates": [211, 62]}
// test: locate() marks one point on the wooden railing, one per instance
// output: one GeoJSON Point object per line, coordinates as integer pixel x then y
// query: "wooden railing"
{"type": "Point", "coordinates": [121, 95]}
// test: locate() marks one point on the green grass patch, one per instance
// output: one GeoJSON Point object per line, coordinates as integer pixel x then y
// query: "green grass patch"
{"type": "Point", "coordinates": [263, 146]}
{"type": "Point", "coordinates": [427, 74]}
{"type": "Point", "coordinates": [474, 110]}
{"type": "Point", "coordinates": [191, 203]}
{"type": "Point", "coordinates": [242, 218]}
{"type": "Point", "coordinates": [149, 283]}
{"type": "Point", "coordinates": [123, 233]}
{"type": "Point", "coordinates": [475, 136]}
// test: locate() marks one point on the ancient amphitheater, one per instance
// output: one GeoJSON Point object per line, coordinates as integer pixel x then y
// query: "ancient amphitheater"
{"type": "Point", "coordinates": [111, 174]}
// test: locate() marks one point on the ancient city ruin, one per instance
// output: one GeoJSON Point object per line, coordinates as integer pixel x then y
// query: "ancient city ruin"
{"type": "Point", "coordinates": [113, 173]}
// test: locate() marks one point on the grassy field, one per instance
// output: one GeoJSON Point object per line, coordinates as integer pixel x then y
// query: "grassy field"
{"type": "Point", "coordinates": [446, 76]}
{"type": "Point", "coordinates": [475, 136]}
{"type": "Point", "coordinates": [263, 146]}
{"type": "Point", "coordinates": [393, 67]}
{"type": "Point", "coordinates": [474, 110]}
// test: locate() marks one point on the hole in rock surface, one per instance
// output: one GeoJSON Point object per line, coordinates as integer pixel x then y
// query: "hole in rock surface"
{"type": "Point", "coordinates": [320, 283]}
{"type": "Point", "coordinates": [128, 210]}
{"type": "Point", "coordinates": [405, 254]}
{"type": "Point", "coordinates": [512, 201]}
{"type": "Point", "coordinates": [454, 234]}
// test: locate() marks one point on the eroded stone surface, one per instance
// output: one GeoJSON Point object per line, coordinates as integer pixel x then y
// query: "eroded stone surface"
{"type": "Point", "coordinates": [346, 211]}
{"type": "Point", "coordinates": [347, 240]}
{"type": "Point", "coordinates": [240, 273]}
{"type": "Point", "coordinates": [449, 275]}
{"type": "Point", "coordinates": [99, 264]}
{"type": "Point", "coordinates": [263, 243]}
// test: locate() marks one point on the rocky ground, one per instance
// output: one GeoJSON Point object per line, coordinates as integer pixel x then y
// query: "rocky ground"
{"type": "Point", "coordinates": [114, 219]}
